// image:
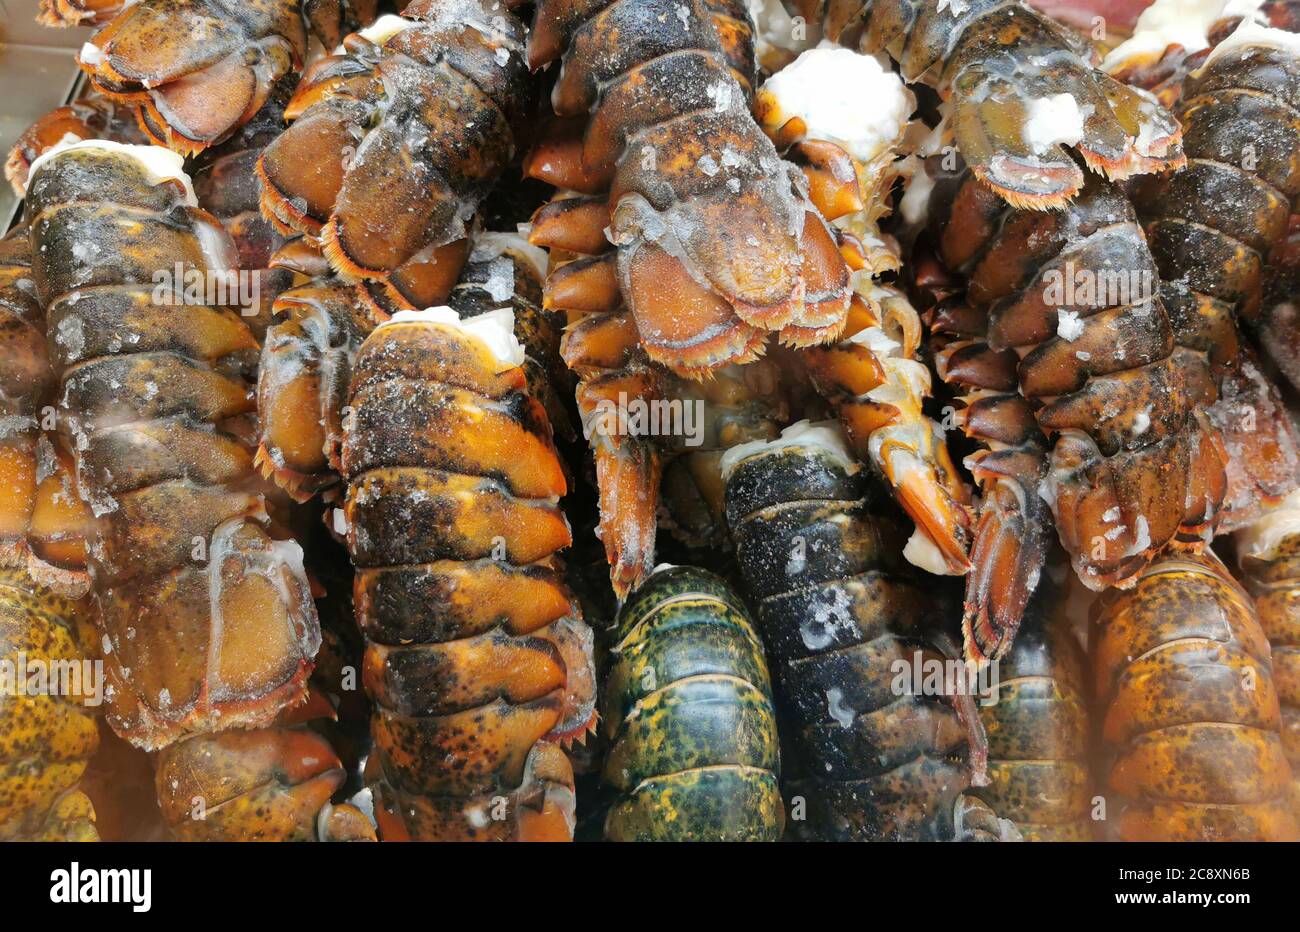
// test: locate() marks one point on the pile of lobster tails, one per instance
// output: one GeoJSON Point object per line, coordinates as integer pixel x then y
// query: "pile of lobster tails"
{"type": "Point", "coordinates": [654, 420]}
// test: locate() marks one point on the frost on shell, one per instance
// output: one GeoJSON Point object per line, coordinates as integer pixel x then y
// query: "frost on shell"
{"type": "Point", "coordinates": [826, 436]}
{"type": "Point", "coordinates": [1068, 325]}
{"type": "Point", "coordinates": [1051, 121]}
{"type": "Point", "coordinates": [1175, 22]}
{"type": "Point", "coordinates": [159, 165]}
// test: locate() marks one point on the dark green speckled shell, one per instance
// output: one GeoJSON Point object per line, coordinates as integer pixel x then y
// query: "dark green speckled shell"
{"type": "Point", "coordinates": [687, 707]}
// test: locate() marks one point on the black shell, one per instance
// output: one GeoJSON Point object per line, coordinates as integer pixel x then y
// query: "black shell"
{"type": "Point", "coordinates": [838, 609]}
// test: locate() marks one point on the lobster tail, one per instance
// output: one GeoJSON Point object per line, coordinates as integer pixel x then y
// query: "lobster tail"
{"type": "Point", "coordinates": [1086, 393]}
{"type": "Point", "coordinates": [195, 71]}
{"type": "Point", "coordinates": [687, 709]}
{"type": "Point", "coordinates": [446, 66]}
{"type": "Point", "coordinates": [477, 658]}
{"type": "Point", "coordinates": [841, 614]}
{"type": "Point", "coordinates": [716, 243]}
{"type": "Point", "coordinates": [153, 404]}
{"type": "Point", "coordinates": [1269, 555]}
{"type": "Point", "coordinates": [1037, 726]}
{"type": "Point", "coordinates": [1190, 722]}
{"type": "Point", "coordinates": [1022, 89]}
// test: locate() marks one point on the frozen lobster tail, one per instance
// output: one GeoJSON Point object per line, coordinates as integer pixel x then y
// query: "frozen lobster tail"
{"type": "Point", "coordinates": [477, 658]}
{"type": "Point", "coordinates": [871, 374]}
{"type": "Point", "coordinates": [1022, 90]}
{"type": "Point", "coordinates": [1268, 553]}
{"type": "Point", "coordinates": [1037, 724]}
{"type": "Point", "coordinates": [687, 708]}
{"type": "Point", "coordinates": [841, 612]}
{"type": "Point", "coordinates": [715, 243]}
{"type": "Point", "coordinates": [712, 243]}
{"type": "Point", "coordinates": [396, 140]}
{"type": "Point", "coordinates": [1214, 227]}
{"type": "Point", "coordinates": [195, 70]}
{"type": "Point", "coordinates": [1190, 723]}
{"type": "Point", "coordinates": [207, 619]}
{"type": "Point", "coordinates": [1088, 397]}
{"type": "Point", "coordinates": [49, 732]}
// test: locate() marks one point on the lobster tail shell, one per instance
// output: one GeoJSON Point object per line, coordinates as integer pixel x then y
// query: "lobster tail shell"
{"type": "Point", "coordinates": [1038, 729]}
{"type": "Point", "coordinates": [1191, 754]}
{"type": "Point", "coordinates": [153, 405]}
{"type": "Point", "coordinates": [717, 244]}
{"type": "Point", "coordinates": [688, 711]}
{"type": "Point", "coordinates": [195, 70]}
{"type": "Point", "coordinates": [838, 609]}
{"type": "Point", "coordinates": [476, 652]}
{"type": "Point", "coordinates": [1003, 65]}
{"type": "Point", "coordinates": [425, 121]}
{"type": "Point", "coordinates": [1075, 359]}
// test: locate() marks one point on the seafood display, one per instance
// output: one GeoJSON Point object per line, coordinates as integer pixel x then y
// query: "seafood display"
{"type": "Point", "coordinates": [654, 420]}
